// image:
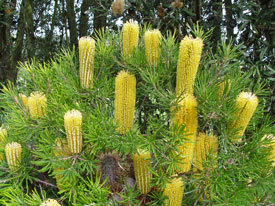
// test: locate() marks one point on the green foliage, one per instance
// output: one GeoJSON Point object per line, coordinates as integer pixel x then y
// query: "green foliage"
{"type": "Point", "coordinates": [243, 176]}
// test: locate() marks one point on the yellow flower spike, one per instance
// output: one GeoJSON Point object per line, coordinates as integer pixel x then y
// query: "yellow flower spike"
{"type": "Point", "coordinates": [271, 138]}
{"type": "Point", "coordinates": [130, 32]}
{"type": "Point", "coordinates": [13, 153]}
{"type": "Point", "coordinates": [142, 172]}
{"type": "Point", "coordinates": [174, 191]}
{"type": "Point", "coordinates": [72, 123]}
{"type": "Point", "coordinates": [205, 145]}
{"type": "Point", "coordinates": [188, 62]}
{"type": "Point", "coordinates": [3, 135]}
{"type": "Point", "coordinates": [125, 100]}
{"type": "Point", "coordinates": [37, 103]}
{"type": "Point", "coordinates": [246, 104]}
{"type": "Point", "coordinates": [187, 116]}
{"type": "Point", "coordinates": [221, 88]}
{"type": "Point", "coordinates": [24, 100]}
{"type": "Point", "coordinates": [118, 7]}
{"type": "Point", "coordinates": [50, 202]}
{"type": "Point", "coordinates": [86, 61]}
{"type": "Point", "coordinates": [152, 46]}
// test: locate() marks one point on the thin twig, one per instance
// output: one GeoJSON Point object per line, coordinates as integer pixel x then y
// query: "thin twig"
{"type": "Point", "coordinates": [218, 74]}
{"type": "Point", "coordinates": [46, 183]}
{"type": "Point", "coordinates": [100, 70]}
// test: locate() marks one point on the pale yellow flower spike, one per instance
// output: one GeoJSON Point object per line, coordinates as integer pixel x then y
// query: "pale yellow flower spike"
{"type": "Point", "coordinates": [187, 115]}
{"type": "Point", "coordinates": [130, 32]}
{"type": "Point", "coordinates": [118, 7]}
{"type": "Point", "coordinates": [86, 61]}
{"type": "Point", "coordinates": [24, 100]}
{"type": "Point", "coordinates": [174, 191]}
{"type": "Point", "coordinates": [142, 172]}
{"type": "Point", "coordinates": [152, 46]}
{"type": "Point", "coordinates": [205, 145]}
{"type": "Point", "coordinates": [3, 135]}
{"type": "Point", "coordinates": [37, 103]}
{"type": "Point", "coordinates": [188, 61]}
{"type": "Point", "coordinates": [50, 202]}
{"type": "Point", "coordinates": [246, 104]}
{"type": "Point", "coordinates": [125, 100]}
{"type": "Point", "coordinates": [13, 153]}
{"type": "Point", "coordinates": [72, 123]}
{"type": "Point", "coordinates": [271, 138]}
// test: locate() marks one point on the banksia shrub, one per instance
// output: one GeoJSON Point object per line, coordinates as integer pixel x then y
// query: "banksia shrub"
{"type": "Point", "coordinates": [118, 7]}
{"type": "Point", "coordinates": [188, 62]}
{"type": "Point", "coordinates": [37, 103]}
{"type": "Point", "coordinates": [186, 116]}
{"type": "Point", "coordinates": [142, 171]}
{"type": "Point", "coordinates": [174, 192]}
{"type": "Point", "coordinates": [50, 202]}
{"type": "Point", "coordinates": [3, 135]}
{"type": "Point", "coordinates": [246, 104]}
{"type": "Point", "coordinates": [130, 32]}
{"type": "Point", "coordinates": [206, 145]}
{"type": "Point", "coordinates": [86, 61]}
{"type": "Point", "coordinates": [73, 127]}
{"type": "Point", "coordinates": [125, 100]}
{"type": "Point", "coordinates": [152, 46]}
{"type": "Point", "coordinates": [24, 100]}
{"type": "Point", "coordinates": [13, 153]}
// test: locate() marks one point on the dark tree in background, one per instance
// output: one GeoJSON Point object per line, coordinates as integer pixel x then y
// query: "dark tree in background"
{"type": "Point", "coordinates": [39, 28]}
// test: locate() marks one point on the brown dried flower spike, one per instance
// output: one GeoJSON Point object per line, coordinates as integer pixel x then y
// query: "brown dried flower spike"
{"type": "Point", "coordinates": [177, 4]}
{"type": "Point", "coordinates": [118, 7]}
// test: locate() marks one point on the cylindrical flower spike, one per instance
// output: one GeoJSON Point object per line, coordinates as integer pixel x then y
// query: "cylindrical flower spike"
{"type": "Point", "coordinates": [187, 116]}
{"type": "Point", "coordinates": [205, 145]}
{"type": "Point", "coordinates": [24, 100]}
{"type": "Point", "coordinates": [72, 123]}
{"type": "Point", "coordinates": [130, 32]}
{"type": "Point", "coordinates": [152, 46]}
{"type": "Point", "coordinates": [50, 202]}
{"type": "Point", "coordinates": [246, 104]}
{"type": "Point", "coordinates": [177, 4]}
{"type": "Point", "coordinates": [86, 61]}
{"type": "Point", "coordinates": [174, 191]}
{"type": "Point", "coordinates": [188, 62]}
{"type": "Point", "coordinates": [3, 135]}
{"type": "Point", "coordinates": [142, 172]}
{"type": "Point", "coordinates": [118, 7]}
{"type": "Point", "coordinates": [125, 100]}
{"type": "Point", "coordinates": [37, 103]}
{"type": "Point", "coordinates": [271, 138]}
{"type": "Point", "coordinates": [13, 153]}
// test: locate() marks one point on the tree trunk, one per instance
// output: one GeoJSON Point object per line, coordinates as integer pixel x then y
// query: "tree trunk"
{"type": "Point", "coordinates": [229, 19]}
{"type": "Point", "coordinates": [72, 22]}
{"type": "Point", "coordinates": [84, 18]}
{"type": "Point", "coordinates": [217, 9]}
{"type": "Point", "coordinates": [29, 26]}
{"type": "Point", "coordinates": [197, 10]}
{"type": "Point", "coordinates": [53, 22]}
{"type": "Point", "coordinates": [100, 15]}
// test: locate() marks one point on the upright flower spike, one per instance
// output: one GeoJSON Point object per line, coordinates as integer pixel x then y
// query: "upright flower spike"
{"type": "Point", "coordinates": [86, 61]}
{"type": "Point", "coordinates": [37, 103]}
{"type": "Point", "coordinates": [13, 152]}
{"type": "Point", "coordinates": [152, 46]}
{"type": "Point", "coordinates": [24, 100]}
{"type": "Point", "coordinates": [271, 145]}
{"type": "Point", "coordinates": [188, 61]}
{"type": "Point", "coordinates": [186, 115]}
{"type": "Point", "coordinates": [3, 135]}
{"type": "Point", "coordinates": [130, 32]}
{"type": "Point", "coordinates": [72, 123]}
{"type": "Point", "coordinates": [125, 100]}
{"type": "Point", "coordinates": [174, 191]}
{"type": "Point", "coordinates": [142, 172]}
{"type": "Point", "coordinates": [118, 7]}
{"type": "Point", "coordinates": [205, 145]}
{"type": "Point", "coordinates": [246, 104]}
{"type": "Point", "coordinates": [50, 202]}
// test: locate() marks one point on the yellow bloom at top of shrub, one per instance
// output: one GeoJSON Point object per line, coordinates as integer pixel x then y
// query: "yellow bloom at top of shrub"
{"type": "Point", "coordinates": [152, 46]}
{"type": "Point", "coordinates": [37, 103]}
{"type": "Point", "coordinates": [86, 61]}
{"type": "Point", "coordinates": [50, 202]}
{"type": "Point", "coordinates": [13, 153]}
{"type": "Point", "coordinates": [246, 104]}
{"type": "Point", "coordinates": [188, 62]}
{"type": "Point", "coordinates": [174, 191]}
{"type": "Point", "coordinates": [271, 144]}
{"type": "Point", "coordinates": [3, 135]}
{"type": "Point", "coordinates": [130, 32]}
